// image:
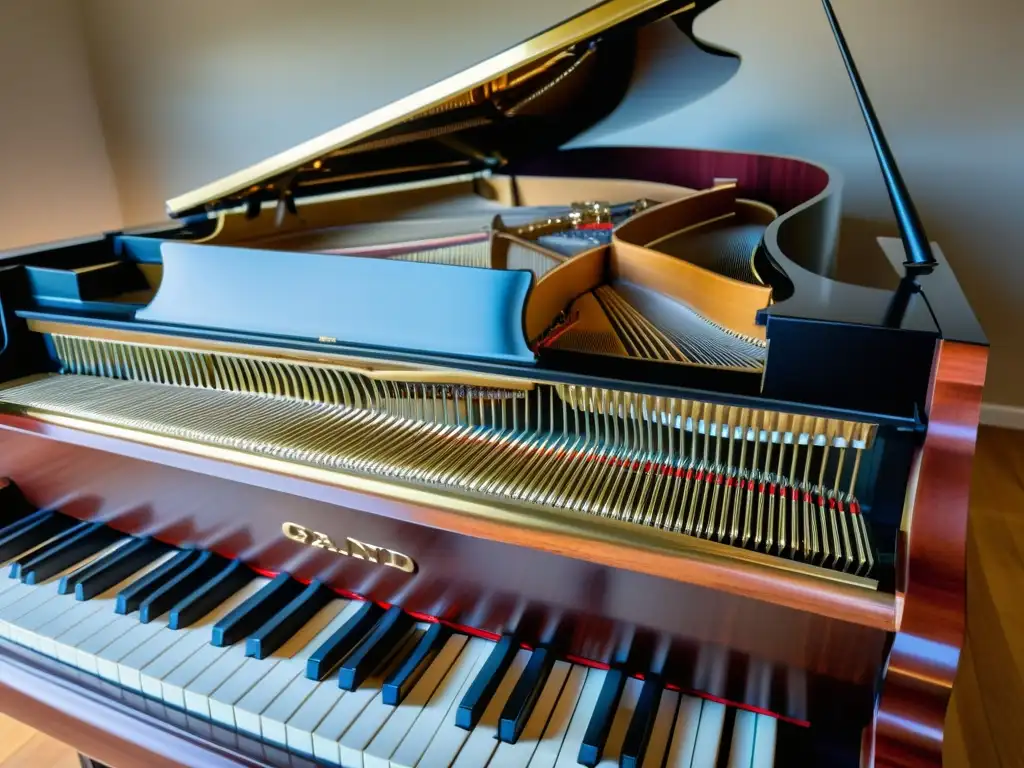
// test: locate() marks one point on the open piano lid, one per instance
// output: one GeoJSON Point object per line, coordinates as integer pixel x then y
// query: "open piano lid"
{"type": "Point", "coordinates": [527, 100]}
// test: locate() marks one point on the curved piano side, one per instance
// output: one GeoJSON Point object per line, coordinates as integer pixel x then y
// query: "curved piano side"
{"type": "Point", "coordinates": [784, 183]}
{"type": "Point", "coordinates": [926, 650]}
{"type": "Point", "coordinates": [802, 241]}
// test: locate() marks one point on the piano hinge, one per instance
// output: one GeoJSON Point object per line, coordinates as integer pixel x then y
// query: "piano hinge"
{"type": "Point", "coordinates": [253, 206]}
{"type": "Point", "coordinates": [285, 201]}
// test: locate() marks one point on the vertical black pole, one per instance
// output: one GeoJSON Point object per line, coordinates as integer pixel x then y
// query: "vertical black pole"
{"type": "Point", "coordinates": [915, 242]}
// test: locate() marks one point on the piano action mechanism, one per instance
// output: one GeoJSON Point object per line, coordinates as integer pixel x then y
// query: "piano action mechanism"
{"type": "Point", "coordinates": [428, 443]}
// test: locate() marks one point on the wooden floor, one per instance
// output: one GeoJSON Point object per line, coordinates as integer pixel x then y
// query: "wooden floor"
{"type": "Point", "coordinates": [985, 725]}
{"type": "Point", "coordinates": [21, 747]}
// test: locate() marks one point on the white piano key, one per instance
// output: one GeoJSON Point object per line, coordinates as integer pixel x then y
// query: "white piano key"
{"type": "Point", "coordinates": [31, 629]}
{"type": "Point", "coordinates": [47, 607]}
{"type": "Point", "coordinates": [172, 687]}
{"type": "Point", "coordinates": [67, 645]}
{"type": "Point", "coordinates": [518, 755]}
{"type": "Point", "coordinates": [445, 743]}
{"type": "Point", "coordinates": [561, 716]}
{"type": "Point", "coordinates": [684, 735]}
{"type": "Point", "coordinates": [573, 740]}
{"type": "Point", "coordinates": [274, 718]}
{"type": "Point", "coordinates": [661, 733]}
{"type": "Point", "coordinates": [42, 604]}
{"type": "Point", "coordinates": [108, 660]}
{"type": "Point", "coordinates": [620, 723]}
{"type": "Point", "coordinates": [252, 671]}
{"type": "Point", "coordinates": [247, 712]}
{"type": "Point", "coordinates": [482, 741]}
{"type": "Point", "coordinates": [741, 748]}
{"type": "Point", "coordinates": [64, 641]}
{"type": "Point", "coordinates": [10, 589]}
{"type": "Point", "coordinates": [327, 735]}
{"type": "Point", "coordinates": [397, 723]}
{"type": "Point", "coordinates": [220, 668]}
{"type": "Point", "coordinates": [350, 706]}
{"type": "Point", "coordinates": [431, 720]}
{"type": "Point", "coordinates": [15, 592]}
{"type": "Point", "coordinates": [709, 735]}
{"type": "Point", "coordinates": [75, 614]}
{"type": "Point", "coordinates": [143, 668]}
{"type": "Point", "coordinates": [23, 599]}
{"type": "Point", "coordinates": [764, 742]}
{"type": "Point", "coordinates": [115, 627]}
{"type": "Point", "coordinates": [192, 642]}
{"type": "Point", "coordinates": [129, 669]}
{"type": "Point", "coordinates": [300, 726]}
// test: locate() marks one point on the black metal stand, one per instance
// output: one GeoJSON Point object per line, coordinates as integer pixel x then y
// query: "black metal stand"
{"type": "Point", "coordinates": [88, 762]}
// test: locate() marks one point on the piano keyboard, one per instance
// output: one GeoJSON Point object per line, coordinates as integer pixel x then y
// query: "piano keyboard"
{"type": "Point", "coordinates": [340, 680]}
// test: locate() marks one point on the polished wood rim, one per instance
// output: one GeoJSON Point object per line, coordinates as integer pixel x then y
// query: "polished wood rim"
{"type": "Point", "coordinates": [933, 543]}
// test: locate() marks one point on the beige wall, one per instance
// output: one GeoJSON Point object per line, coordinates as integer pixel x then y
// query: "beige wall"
{"type": "Point", "coordinates": [55, 179]}
{"type": "Point", "coordinates": [191, 89]}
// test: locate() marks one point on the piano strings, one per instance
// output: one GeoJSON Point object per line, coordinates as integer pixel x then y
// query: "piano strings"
{"type": "Point", "coordinates": [621, 317]}
{"type": "Point", "coordinates": [776, 483]}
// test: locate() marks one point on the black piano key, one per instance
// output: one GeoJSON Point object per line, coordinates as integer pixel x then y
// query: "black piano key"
{"type": "Point", "coordinates": [601, 720]}
{"type": "Point", "coordinates": [287, 621]}
{"type": "Point", "coordinates": [52, 543]}
{"type": "Point", "coordinates": [836, 748]}
{"type": "Point", "coordinates": [256, 611]}
{"type": "Point", "coordinates": [725, 741]}
{"type": "Point", "coordinates": [520, 703]}
{"type": "Point", "coordinates": [193, 577]}
{"type": "Point", "coordinates": [111, 569]}
{"type": "Point", "coordinates": [640, 726]}
{"type": "Point", "coordinates": [340, 644]}
{"type": "Point", "coordinates": [375, 649]}
{"type": "Point", "coordinates": [473, 704]}
{"type": "Point", "coordinates": [191, 608]}
{"type": "Point", "coordinates": [13, 505]}
{"type": "Point", "coordinates": [131, 597]}
{"type": "Point", "coordinates": [73, 546]}
{"type": "Point", "coordinates": [401, 681]}
{"type": "Point", "coordinates": [16, 525]}
{"type": "Point", "coordinates": [27, 533]}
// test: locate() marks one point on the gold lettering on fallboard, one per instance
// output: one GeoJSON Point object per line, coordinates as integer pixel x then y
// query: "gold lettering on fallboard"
{"type": "Point", "coordinates": [364, 551]}
{"type": "Point", "coordinates": [350, 548]}
{"type": "Point", "coordinates": [320, 541]}
{"type": "Point", "coordinates": [398, 560]}
{"type": "Point", "coordinates": [295, 532]}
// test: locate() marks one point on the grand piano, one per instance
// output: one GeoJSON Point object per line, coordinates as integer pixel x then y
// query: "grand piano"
{"type": "Point", "coordinates": [429, 443]}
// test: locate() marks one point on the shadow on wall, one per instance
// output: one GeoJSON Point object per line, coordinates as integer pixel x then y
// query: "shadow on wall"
{"type": "Point", "coordinates": [860, 259]}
